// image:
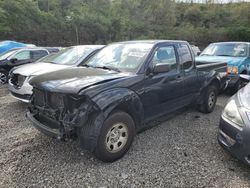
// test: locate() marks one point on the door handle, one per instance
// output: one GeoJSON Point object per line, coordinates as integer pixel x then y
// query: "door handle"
{"type": "Point", "coordinates": [178, 78]}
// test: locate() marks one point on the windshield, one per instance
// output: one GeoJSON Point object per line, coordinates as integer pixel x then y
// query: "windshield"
{"type": "Point", "coordinates": [226, 49]}
{"type": "Point", "coordinates": [7, 54]}
{"type": "Point", "coordinates": [69, 56]}
{"type": "Point", "coordinates": [121, 56]}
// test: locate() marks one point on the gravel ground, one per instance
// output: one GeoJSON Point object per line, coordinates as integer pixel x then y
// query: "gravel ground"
{"type": "Point", "coordinates": [182, 151]}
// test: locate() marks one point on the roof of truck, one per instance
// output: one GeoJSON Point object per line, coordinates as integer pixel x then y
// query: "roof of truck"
{"type": "Point", "coordinates": [153, 41]}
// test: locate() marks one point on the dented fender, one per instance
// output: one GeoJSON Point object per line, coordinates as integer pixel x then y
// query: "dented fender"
{"type": "Point", "coordinates": [106, 102]}
{"type": "Point", "coordinates": [211, 78]}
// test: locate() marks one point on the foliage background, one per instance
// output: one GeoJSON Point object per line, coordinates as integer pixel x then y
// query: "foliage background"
{"type": "Point", "coordinates": [71, 22]}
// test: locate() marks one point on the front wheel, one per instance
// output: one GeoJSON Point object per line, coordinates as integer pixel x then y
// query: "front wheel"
{"type": "Point", "coordinates": [209, 100]}
{"type": "Point", "coordinates": [3, 77]}
{"type": "Point", "coordinates": [116, 137]}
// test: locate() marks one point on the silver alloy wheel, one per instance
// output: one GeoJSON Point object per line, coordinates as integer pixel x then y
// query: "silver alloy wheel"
{"type": "Point", "coordinates": [116, 137]}
{"type": "Point", "coordinates": [3, 78]}
{"type": "Point", "coordinates": [211, 100]}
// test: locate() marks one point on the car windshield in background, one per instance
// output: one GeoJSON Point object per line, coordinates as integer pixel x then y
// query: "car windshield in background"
{"type": "Point", "coordinates": [229, 49]}
{"type": "Point", "coordinates": [7, 54]}
{"type": "Point", "coordinates": [121, 56]}
{"type": "Point", "coordinates": [69, 56]}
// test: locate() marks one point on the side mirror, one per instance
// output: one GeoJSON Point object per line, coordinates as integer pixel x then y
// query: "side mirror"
{"type": "Point", "coordinates": [160, 67]}
{"type": "Point", "coordinates": [245, 78]}
{"type": "Point", "coordinates": [14, 60]}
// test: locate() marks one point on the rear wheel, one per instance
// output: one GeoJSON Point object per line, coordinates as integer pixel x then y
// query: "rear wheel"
{"type": "Point", "coordinates": [3, 77]}
{"type": "Point", "coordinates": [116, 137]}
{"type": "Point", "coordinates": [209, 99]}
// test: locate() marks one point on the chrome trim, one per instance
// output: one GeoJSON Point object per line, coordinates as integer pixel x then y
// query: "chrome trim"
{"type": "Point", "coordinates": [20, 99]}
{"type": "Point", "coordinates": [230, 140]}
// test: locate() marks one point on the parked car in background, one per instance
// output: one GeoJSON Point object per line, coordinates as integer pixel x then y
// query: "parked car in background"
{"type": "Point", "coordinates": [126, 84]}
{"type": "Point", "coordinates": [19, 86]}
{"type": "Point", "coordinates": [234, 131]}
{"type": "Point", "coordinates": [20, 56]}
{"type": "Point", "coordinates": [196, 50]}
{"type": "Point", "coordinates": [7, 45]}
{"type": "Point", "coordinates": [235, 54]}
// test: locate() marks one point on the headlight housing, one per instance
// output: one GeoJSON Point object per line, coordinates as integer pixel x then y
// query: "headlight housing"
{"type": "Point", "coordinates": [232, 114]}
{"type": "Point", "coordinates": [233, 69]}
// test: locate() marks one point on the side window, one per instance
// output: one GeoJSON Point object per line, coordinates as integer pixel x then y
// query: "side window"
{"type": "Point", "coordinates": [23, 55]}
{"type": "Point", "coordinates": [165, 55]}
{"type": "Point", "coordinates": [185, 56]}
{"type": "Point", "coordinates": [37, 54]}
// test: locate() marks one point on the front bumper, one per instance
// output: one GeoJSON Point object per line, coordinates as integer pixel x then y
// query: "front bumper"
{"type": "Point", "coordinates": [23, 93]}
{"type": "Point", "coordinates": [23, 98]}
{"type": "Point", "coordinates": [235, 140]}
{"type": "Point", "coordinates": [52, 132]}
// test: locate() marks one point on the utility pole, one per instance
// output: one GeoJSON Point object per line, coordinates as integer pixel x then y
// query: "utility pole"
{"type": "Point", "coordinates": [77, 35]}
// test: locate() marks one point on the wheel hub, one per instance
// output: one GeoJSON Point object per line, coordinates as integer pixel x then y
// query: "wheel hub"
{"type": "Point", "coordinates": [117, 137]}
{"type": "Point", "coordinates": [211, 99]}
{"type": "Point", "coordinates": [3, 78]}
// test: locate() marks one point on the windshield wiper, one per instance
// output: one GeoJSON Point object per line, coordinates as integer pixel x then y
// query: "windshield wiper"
{"type": "Point", "coordinates": [224, 55]}
{"type": "Point", "coordinates": [108, 68]}
{"type": "Point", "coordinates": [49, 62]}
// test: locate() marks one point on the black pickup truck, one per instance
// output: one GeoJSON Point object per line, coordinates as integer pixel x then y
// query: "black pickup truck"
{"type": "Point", "coordinates": [126, 84]}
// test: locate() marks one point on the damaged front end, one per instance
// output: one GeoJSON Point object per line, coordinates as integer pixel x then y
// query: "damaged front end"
{"type": "Point", "coordinates": [61, 115]}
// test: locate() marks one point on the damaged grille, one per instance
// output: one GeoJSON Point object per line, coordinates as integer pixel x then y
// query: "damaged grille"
{"type": "Point", "coordinates": [55, 100]}
{"type": "Point", "coordinates": [39, 97]}
{"type": "Point", "coordinates": [17, 80]}
{"type": "Point", "coordinates": [47, 99]}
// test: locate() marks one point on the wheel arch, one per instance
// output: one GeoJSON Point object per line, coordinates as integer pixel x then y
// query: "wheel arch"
{"type": "Point", "coordinates": [121, 99]}
{"type": "Point", "coordinates": [213, 81]}
{"type": "Point", "coordinates": [106, 103]}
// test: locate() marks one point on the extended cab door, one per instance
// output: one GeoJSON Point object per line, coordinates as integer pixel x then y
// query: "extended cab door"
{"type": "Point", "coordinates": [163, 91]}
{"type": "Point", "coordinates": [191, 84]}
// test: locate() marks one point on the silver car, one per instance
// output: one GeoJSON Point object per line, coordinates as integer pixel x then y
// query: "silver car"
{"type": "Point", "coordinates": [19, 77]}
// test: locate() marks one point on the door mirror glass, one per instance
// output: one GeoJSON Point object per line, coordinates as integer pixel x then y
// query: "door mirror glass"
{"type": "Point", "coordinates": [164, 59]}
{"type": "Point", "coordinates": [160, 68]}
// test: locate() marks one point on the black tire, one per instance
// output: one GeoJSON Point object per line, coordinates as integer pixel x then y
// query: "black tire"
{"type": "Point", "coordinates": [3, 77]}
{"type": "Point", "coordinates": [209, 99]}
{"type": "Point", "coordinates": [239, 84]}
{"type": "Point", "coordinates": [104, 152]}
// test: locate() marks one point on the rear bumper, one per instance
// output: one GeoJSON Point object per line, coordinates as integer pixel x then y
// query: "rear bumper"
{"type": "Point", "coordinates": [235, 140]}
{"type": "Point", "coordinates": [233, 80]}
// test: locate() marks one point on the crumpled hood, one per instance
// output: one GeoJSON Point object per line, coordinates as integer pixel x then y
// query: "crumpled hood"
{"type": "Point", "coordinates": [244, 96]}
{"type": "Point", "coordinates": [34, 69]}
{"type": "Point", "coordinates": [73, 80]}
{"type": "Point", "coordinates": [233, 61]}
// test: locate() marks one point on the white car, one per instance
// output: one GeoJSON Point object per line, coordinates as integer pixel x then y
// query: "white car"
{"type": "Point", "coordinates": [19, 77]}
